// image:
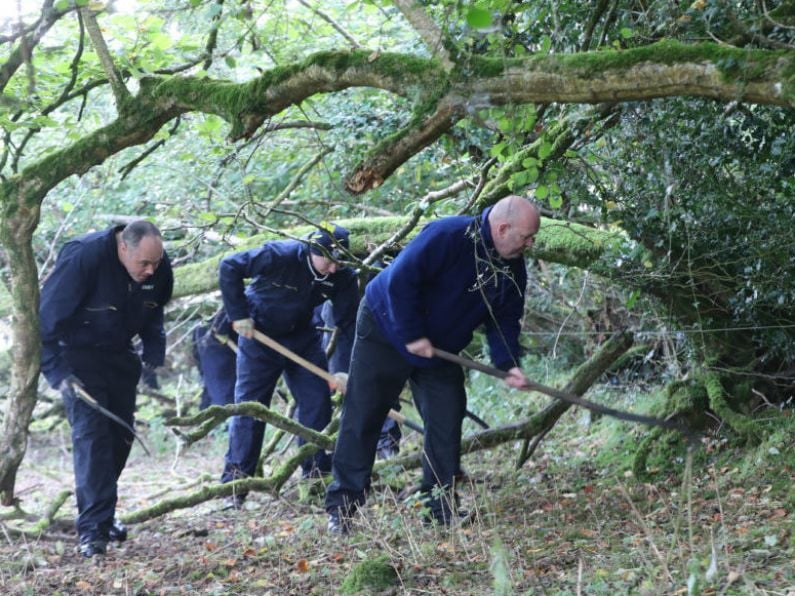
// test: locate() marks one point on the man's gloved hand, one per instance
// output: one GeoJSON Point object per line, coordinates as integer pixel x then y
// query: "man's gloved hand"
{"type": "Point", "coordinates": [244, 327]}
{"type": "Point", "coordinates": [342, 382]}
{"type": "Point", "coordinates": [149, 376]}
{"type": "Point", "coordinates": [68, 387]}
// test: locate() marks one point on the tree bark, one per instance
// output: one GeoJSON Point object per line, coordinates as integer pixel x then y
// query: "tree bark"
{"type": "Point", "coordinates": [16, 233]}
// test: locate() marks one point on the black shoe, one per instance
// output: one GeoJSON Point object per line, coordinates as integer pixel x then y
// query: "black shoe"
{"type": "Point", "coordinates": [118, 531]}
{"type": "Point", "coordinates": [91, 547]}
{"type": "Point", "coordinates": [338, 524]}
{"type": "Point", "coordinates": [235, 501]}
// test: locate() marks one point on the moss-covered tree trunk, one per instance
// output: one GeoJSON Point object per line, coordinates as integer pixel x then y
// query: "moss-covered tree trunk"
{"type": "Point", "coordinates": [16, 232]}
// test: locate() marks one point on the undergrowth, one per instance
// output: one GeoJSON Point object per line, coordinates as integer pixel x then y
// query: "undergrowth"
{"type": "Point", "coordinates": [572, 520]}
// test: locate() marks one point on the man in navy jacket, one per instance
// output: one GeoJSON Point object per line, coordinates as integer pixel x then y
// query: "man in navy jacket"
{"type": "Point", "coordinates": [106, 288]}
{"type": "Point", "coordinates": [216, 360]}
{"type": "Point", "coordinates": [458, 273]}
{"type": "Point", "coordinates": [288, 280]}
{"type": "Point", "coordinates": [340, 361]}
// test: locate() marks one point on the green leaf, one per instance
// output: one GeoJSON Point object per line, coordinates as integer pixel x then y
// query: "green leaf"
{"type": "Point", "coordinates": [61, 5]}
{"type": "Point", "coordinates": [505, 124]}
{"type": "Point", "coordinates": [230, 61]}
{"type": "Point", "coordinates": [161, 41]}
{"type": "Point", "coordinates": [210, 126]}
{"type": "Point", "coordinates": [530, 120]}
{"type": "Point", "coordinates": [546, 44]}
{"type": "Point", "coordinates": [498, 150]}
{"type": "Point", "coordinates": [519, 178]}
{"type": "Point", "coordinates": [478, 18]}
{"type": "Point", "coordinates": [555, 201]}
{"type": "Point", "coordinates": [545, 150]}
{"type": "Point", "coordinates": [626, 32]}
{"type": "Point", "coordinates": [541, 192]}
{"type": "Point", "coordinates": [528, 162]}
{"type": "Point", "coordinates": [633, 298]}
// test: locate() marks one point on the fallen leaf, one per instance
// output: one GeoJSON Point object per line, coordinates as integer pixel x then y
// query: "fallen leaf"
{"type": "Point", "coordinates": [302, 565]}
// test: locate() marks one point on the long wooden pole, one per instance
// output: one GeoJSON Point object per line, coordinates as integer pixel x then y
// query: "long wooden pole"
{"type": "Point", "coordinates": [333, 381]}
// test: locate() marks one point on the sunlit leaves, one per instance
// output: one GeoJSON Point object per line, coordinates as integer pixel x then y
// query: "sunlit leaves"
{"type": "Point", "coordinates": [478, 18]}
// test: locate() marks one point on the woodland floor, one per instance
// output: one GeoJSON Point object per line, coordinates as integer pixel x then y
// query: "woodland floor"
{"type": "Point", "coordinates": [565, 523]}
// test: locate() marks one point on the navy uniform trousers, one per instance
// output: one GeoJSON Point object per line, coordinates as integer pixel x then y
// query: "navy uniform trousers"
{"type": "Point", "coordinates": [100, 445]}
{"type": "Point", "coordinates": [378, 374]}
{"type": "Point", "coordinates": [217, 368]}
{"type": "Point", "coordinates": [258, 370]}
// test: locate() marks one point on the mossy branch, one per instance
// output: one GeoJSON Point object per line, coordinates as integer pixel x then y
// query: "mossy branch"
{"type": "Point", "coordinates": [211, 417]}
{"type": "Point", "coordinates": [744, 426]}
{"type": "Point", "coordinates": [39, 527]}
{"type": "Point", "coordinates": [557, 242]}
{"type": "Point", "coordinates": [273, 484]}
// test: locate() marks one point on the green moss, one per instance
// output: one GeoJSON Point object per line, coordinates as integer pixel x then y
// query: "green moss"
{"type": "Point", "coordinates": [572, 244]}
{"type": "Point", "coordinates": [729, 59]}
{"type": "Point", "coordinates": [481, 66]}
{"type": "Point", "coordinates": [197, 278]}
{"type": "Point", "coordinates": [746, 428]}
{"type": "Point", "coordinates": [409, 75]}
{"type": "Point", "coordinates": [372, 575]}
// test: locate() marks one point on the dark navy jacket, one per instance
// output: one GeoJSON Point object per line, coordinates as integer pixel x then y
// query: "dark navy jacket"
{"type": "Point", "coordinates": [283, 291]}
{"type": "Point", "coordinates": [439, 286]}
{"type": "Point", "coordinates": [90, 301]}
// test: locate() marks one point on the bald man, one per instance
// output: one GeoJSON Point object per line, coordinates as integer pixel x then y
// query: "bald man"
{"type": "Point", "coordinates": [106, 288]}
{"type": "Point", "coordinates": [458, 273]}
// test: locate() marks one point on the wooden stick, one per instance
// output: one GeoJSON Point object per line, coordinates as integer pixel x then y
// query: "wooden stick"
{"type": "Point", "coordinates": [323, 374]}
{"type": "Point", "coordinates": [565, 396]}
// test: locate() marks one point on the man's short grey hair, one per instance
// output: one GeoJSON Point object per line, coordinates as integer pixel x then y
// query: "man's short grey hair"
{"type": "Point", "coordinates": [135, 231]}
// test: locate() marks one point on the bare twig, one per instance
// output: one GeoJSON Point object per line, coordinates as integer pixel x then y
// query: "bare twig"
{"type": "Point", "coordinates": [419, 211]}
{"type": "Point", "coordinates": [339, 28]}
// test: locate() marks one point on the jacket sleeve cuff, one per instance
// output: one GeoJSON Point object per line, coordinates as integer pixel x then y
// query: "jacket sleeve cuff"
{"type": "Point", "coordinates": [56, 375]}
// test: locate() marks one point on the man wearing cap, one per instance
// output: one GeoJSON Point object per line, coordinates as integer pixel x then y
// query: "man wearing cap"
{"type": "Point", "coordinates": [289, 278]}
{"type": "Point", "coordinates": [458, 274]}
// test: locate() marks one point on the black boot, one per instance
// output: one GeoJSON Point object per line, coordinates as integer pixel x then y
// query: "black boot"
{"type": "Point", "coordinates": [118, 531]}
{"type": "Point", "coordinates": [90, 546]}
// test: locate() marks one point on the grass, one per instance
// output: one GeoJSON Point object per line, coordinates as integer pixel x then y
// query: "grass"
{"type": "Point", "coordinates": [572, 520]}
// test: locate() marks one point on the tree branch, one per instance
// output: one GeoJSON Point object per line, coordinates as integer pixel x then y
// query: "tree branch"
{"type": "Point", "coordinates": [339, 28]}
{"type": "Point", "coordinates": [49, 16]}
{"type": "Point", "coordinates": [428, 31]}
{"type": "Point", "coordinates": [120, 92]}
